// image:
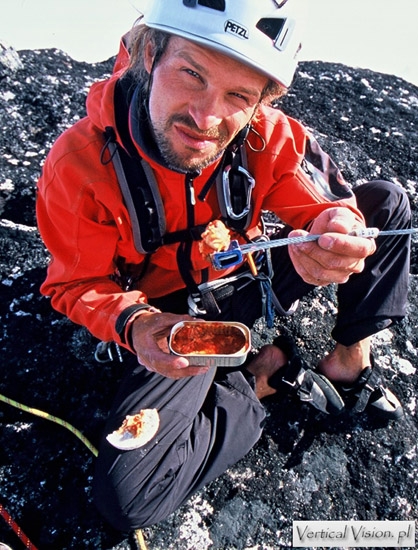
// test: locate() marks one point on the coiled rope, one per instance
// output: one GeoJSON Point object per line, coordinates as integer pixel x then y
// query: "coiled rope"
{"type": "Point", "coordinates": [138, 536]}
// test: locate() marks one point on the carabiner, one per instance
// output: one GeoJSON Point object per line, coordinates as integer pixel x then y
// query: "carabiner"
{"type": "Point", "coordinates": [229, 173]}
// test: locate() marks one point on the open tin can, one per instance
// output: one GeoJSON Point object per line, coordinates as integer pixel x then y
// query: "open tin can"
{"type": "Point", "coordinates": [211, 343]}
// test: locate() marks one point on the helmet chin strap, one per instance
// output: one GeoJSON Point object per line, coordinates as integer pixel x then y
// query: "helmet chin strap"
{"type": "Point", "coordinates": [148, 87]}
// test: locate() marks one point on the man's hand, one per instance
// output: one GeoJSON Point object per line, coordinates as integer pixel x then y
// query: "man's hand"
{"type": "Point", "coordinates": [150, 333]}
{"type": "Point", "coordinates": [336, 255]}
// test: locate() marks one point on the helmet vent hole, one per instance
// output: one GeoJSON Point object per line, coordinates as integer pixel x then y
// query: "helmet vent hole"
{"type": "Point", "coordinates": [271, 27]}
{"type": "Point", "coordinates": [214, 4]}
{"type": "Point", "coordinates": [218, 5]}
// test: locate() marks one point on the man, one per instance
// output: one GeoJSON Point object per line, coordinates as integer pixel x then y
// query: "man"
{"type": "Point", "coordinates": [191, 96]}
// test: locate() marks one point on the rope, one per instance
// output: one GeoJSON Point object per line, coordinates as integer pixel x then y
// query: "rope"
{"type": "Point", "coordinates": [10, 521]}
{"type": "Point", "coordinates": [139, 539]}
{"type": "Point", "coordinates": [52, 418]}
{"type": "Point", "coordinates": [138, 536]}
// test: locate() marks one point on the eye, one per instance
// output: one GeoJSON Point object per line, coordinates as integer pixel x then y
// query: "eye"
{"type": "Point", "coordinates": [241, 98]}
{"type": "Point", "coordinates": [192, 73]}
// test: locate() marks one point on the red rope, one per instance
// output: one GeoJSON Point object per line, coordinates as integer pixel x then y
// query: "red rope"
{"type": "Point", "coordinates": [16, 528]}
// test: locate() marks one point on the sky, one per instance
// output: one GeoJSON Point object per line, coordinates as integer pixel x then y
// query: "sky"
{"type": "Point", "coordinates": [377, 34]}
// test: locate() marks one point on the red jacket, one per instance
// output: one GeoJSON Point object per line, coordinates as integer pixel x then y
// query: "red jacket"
{"type": "Point", "coordinates": [86, 226]}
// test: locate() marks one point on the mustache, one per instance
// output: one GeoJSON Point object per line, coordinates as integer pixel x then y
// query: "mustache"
{"type": "Point", "coordinates": [213, 133]}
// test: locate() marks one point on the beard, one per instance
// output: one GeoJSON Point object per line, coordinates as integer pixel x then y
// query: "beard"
{"type": "Point", "coordinates": [190, 160]}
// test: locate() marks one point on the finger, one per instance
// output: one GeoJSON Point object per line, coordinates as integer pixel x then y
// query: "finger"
{"type": "Point", "coordinates": [325, 268]}
{"type": "Point", "coordinates": [340, 243]}
{"type": "Point", "coordinates": [177, 373]}
{"type": "Point", "coordinates": [325, 262]}
{"type": "Point", "coordinates": [337, 252]}
{"type": "Point", "coordinates": [347, 245]}
{"type": "Point", "coordinates": [169, 365]}
{"type": "Point", "coordinates": [307, 268]}
{"type": "Point", "coordinates": [157, 360]}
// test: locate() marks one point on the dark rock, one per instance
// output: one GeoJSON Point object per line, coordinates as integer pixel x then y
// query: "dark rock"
{"type": "Point", "coordinates": [305, 466]}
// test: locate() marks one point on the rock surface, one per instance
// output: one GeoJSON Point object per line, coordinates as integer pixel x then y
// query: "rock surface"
{"type": "Point", "coordinates": [306, 465]}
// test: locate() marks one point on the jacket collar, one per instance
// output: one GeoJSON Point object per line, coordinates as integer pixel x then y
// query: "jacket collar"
{"type": "Point", "coordinates": [140, 129]}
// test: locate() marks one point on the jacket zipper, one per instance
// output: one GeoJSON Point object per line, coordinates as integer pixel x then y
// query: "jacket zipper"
{"type": "Point", "coordinates": [190, 199]}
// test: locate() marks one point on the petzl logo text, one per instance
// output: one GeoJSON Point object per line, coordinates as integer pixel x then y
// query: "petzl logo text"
{"type": "Point", "coordinates": [234, 28]}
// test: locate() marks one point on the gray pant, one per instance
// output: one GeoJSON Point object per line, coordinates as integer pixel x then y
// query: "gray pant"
{"type": "Point", "coordinates": [207, 423]}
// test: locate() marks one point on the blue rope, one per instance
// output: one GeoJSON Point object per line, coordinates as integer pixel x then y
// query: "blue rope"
{"type": "Point", "coordinates": [268, 309]}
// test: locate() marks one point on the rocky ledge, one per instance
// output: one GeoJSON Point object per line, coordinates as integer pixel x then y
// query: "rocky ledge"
{"type": "Point", "coordinates": [306, 465]}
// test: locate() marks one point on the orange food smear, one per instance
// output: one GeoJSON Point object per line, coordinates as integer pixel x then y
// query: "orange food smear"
{"type": "Point", "coordinates": [210, 339]}
{"type": "Point", "coordinates": [133, 425]}
{"type": "Point", "coordinates": [215, 238]}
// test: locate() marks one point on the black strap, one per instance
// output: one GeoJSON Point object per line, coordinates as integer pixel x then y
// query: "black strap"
{"type": "Point", "coordinates": [371, 381]}
{"type": "Point", "coordinates": [126, 314]}
{"type": "Point", "coordinates": [124, 90]}
{"type": "Point", "coordinates": [190, 234]}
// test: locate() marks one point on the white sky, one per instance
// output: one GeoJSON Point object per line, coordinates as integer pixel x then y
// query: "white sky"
{"type": "Point", "coordinates": [376, 34]}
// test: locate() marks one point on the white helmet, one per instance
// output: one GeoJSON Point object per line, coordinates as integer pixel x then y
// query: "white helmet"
{"type": "Point", "coordinates": [260, 33]}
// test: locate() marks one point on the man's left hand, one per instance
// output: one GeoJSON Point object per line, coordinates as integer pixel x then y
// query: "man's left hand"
{"type": "Point", "coordinates": [336, 255]}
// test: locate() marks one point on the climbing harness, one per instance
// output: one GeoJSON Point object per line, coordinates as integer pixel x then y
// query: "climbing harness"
{"type": "Point", "coordinates": [140, 191]}
{"type": "Point", "coordinates": [142, 198]}
{"type": "Point", "coordinates": [234, 186]}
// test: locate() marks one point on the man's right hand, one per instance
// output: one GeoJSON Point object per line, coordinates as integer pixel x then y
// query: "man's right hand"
{"type": "Point", "coordinates": [150, 333]}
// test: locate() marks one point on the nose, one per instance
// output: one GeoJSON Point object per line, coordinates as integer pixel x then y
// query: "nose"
{"type": "Point", "coordinates": [206, 109]}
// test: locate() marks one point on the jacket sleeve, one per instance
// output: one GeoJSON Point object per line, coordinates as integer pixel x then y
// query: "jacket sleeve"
{"type": "Point", "coordinates": [304, 180]}
{"type": "Point", "coordinates": [85, 226]}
